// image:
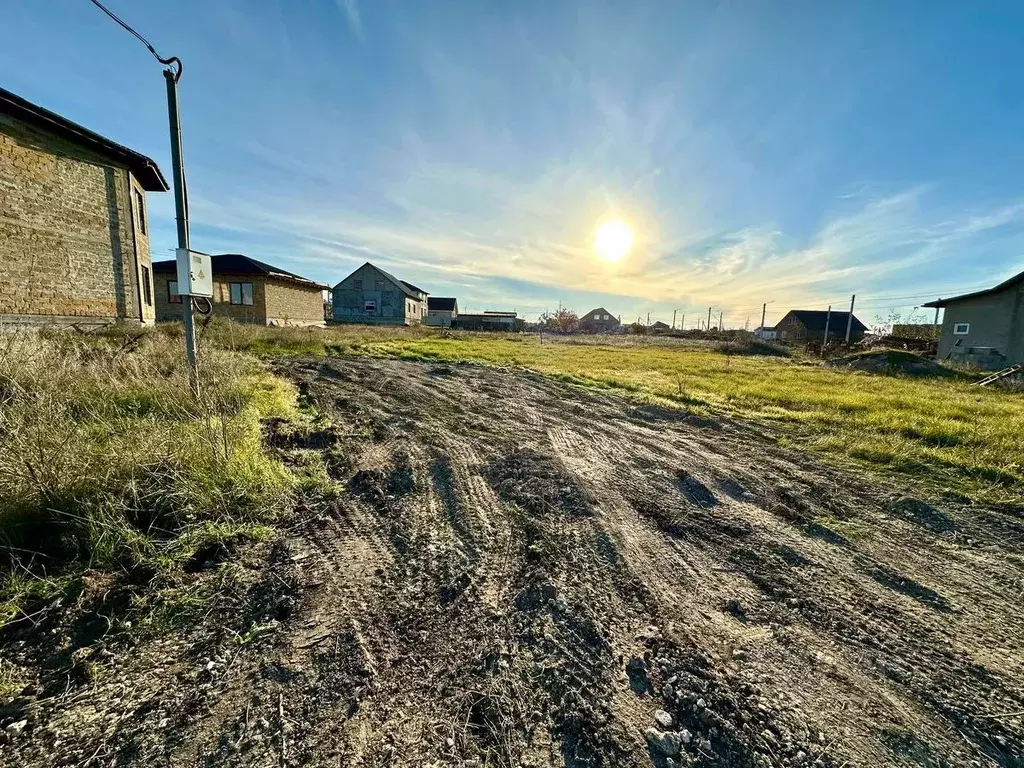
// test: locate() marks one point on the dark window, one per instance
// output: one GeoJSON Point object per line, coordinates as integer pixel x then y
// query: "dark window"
{"type": "Point", "coordinates": [140, 211]}
{"type": "Point", "coordinates": [241, 293]}
{"type": "Point", "coordinates": [378, 285]}
{"type": "Point", "coordinates": [147, 290]}
{"type": "Point", "coordinates": [357, 285]}
{"type": "Point", "coordinates": [961, 329]}
{"type": "Point", "coordinates": [173, 296]}
{"type": "Point", "coordinates": [370, 306]}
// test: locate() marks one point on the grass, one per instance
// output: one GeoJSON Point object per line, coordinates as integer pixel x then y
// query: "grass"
{"type": "Point", "coordinates": [109, 463]}
{"type": "Point", "coordinates": [938, 430]}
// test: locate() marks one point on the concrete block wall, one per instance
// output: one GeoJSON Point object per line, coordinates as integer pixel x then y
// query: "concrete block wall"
{"type": "Point", "coordinates": [274, 302]}
{"type": "Point", "coordinates": [291, 303]}
{"type": "Point", "coordinates": [67, 238]}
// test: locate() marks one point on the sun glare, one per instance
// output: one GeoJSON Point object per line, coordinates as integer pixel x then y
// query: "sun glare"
{"type": "Point", "coordinates": [613, 240]}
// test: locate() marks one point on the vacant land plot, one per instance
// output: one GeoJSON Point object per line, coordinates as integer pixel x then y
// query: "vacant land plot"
{"type": "Point", "coordinates": [506, 570]}
{"type": "Point", "coordinates": [938, 431]}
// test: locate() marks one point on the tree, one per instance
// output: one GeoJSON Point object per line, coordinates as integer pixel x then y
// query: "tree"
{"type": "Point", "coordinates": [562, 320]}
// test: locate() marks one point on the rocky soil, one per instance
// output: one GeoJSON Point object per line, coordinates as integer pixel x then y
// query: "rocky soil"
{"type": "Point", "coordinates": [511, 571]}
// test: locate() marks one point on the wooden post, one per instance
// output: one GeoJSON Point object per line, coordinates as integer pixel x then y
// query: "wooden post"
{"type": "Point", "coordinates": [849, 320]}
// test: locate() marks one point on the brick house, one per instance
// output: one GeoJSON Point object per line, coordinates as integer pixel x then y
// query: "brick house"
{"type": "Point", "coordinates": [599, 320]}
{"type": "Point", "coordinates": [371, 295]}
{"type": "Point", "coordinates": [810, 325]}
{"type": "Point", "coordinates": [248, 291]}
{"type": "Point", "coordinates": [74, 232]}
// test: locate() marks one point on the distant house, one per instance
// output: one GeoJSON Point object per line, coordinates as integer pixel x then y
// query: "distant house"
{"type": "Point", "coordinates": [768, 334]}
{"type": "Point", "coordinates": [657, 325]}
{"type": "Point", "coordinates": [810, 325]}
{"type": "Point", "coordinates": [441, 312]}
{"type": "Point", "coordinates": [371, 295]}
{"type": "Point", "coordinates": [985, 328]}
{"type": "Point", "coordinates": [488, 321]}
{"type": "Point", "coordinates": [599, 320]}
{"type": "Point", "coordinates": [74, 231]}
{"type": "Point", "coordinates": [248, 291]}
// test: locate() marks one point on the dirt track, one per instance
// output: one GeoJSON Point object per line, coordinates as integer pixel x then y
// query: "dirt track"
{"type": "Point", "coordinates": [522, 573]}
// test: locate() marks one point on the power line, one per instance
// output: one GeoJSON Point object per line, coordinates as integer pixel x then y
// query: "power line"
{"type": "Point", "coordinates": [141, 39]}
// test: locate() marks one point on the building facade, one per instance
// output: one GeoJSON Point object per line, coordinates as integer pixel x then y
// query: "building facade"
{"type": "Point", "coordinates": [441, 311]}
{"type": "Point", "coordinates": [371, 295]}
{"type": "Point", "coordinates": [488, 321]}
{"type": "Point", "coordinates": [74, 228]}
{"type": "Point", "coordinates": [984, 328]}
{"type": "Point", "coordinates": [599, 320]}
{"type": "Point", "coordinates": [247, 291]}
{"type": "Point", "coordinates": [813, 324]}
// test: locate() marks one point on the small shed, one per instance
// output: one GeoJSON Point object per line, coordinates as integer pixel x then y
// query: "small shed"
{"type": "Point", "coordinates": [488, 321]}
{"type": "Point", "coordinates": [441, 311]}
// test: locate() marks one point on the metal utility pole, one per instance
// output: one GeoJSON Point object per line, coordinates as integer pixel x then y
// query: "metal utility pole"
{"type": "Point", "coordinates": [708, 326]}
{"type": "Point", "coordinates": [181, 216]}
{"type": "Point", "coordinates": [828, 319]}
{"type": "Point", "coordinates": [849, 320]}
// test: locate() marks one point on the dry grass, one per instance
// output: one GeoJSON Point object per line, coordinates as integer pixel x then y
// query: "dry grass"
{"type": "Point", "coordinates": [107, 461]}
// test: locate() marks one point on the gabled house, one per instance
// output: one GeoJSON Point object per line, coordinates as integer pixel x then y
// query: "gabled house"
{"type": "Point", "coordinates": [984, 328]}
{"type": "Point", "coordinates": [441, 311]}
{"type": "Point", "coordinates": [248, 291]}
{"type": "Point", "coordinates": [74, 230]}
{"type": "Point", "coordinates": [371, 295]}
{"type": "Point", "coordinates": [811, 324]}
{"type": "Point", "coordinates": [658, 325]}
{"type": "Point", "coordinates": [599, 320]}
{"type": "Point", "coordinates": [768, 334]}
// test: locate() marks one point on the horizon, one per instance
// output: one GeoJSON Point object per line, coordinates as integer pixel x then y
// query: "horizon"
{"type": "Point", "coordinates": [790, 153]}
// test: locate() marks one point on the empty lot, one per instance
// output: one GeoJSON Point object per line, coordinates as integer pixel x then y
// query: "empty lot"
{"type": "Point", "coordinates": [515, 571]}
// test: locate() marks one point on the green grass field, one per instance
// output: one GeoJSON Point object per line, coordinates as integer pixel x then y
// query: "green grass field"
{"type": "Point", "coordinates": [937, 431]}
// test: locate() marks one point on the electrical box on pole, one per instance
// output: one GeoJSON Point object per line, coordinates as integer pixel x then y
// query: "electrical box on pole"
{"type": "Point", "coordinates": [195, 274]}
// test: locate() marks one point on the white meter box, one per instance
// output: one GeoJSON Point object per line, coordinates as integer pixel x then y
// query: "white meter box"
{"type": "Point", "coordinates": [195, 273]}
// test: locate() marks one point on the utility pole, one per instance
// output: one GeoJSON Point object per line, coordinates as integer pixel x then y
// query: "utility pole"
{"type": "Point", "coordinates": [674, 319]}
{"type": "Point", "coordinates": [181, 217]}
{"type": "Point", "coordinates": [849, 320]}
{"type": "Point", "coordinates": [720, 326]}
{"type": "Point", "coordinates": [708, 326]}
{"type": "Point", "coordinates": [648, 319]}
{"type": "Point", "coordinates": [764, 311]}
{"type": "Point", "coordinates": [828, 319]}
{"type": "Point", "coordinates": [682, 323]}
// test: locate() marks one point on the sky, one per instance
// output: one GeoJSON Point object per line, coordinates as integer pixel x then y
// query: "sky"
{"type": "Point", "coordinates": [794, 151]}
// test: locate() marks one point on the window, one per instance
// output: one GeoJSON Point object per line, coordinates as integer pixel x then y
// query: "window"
{"type": "Point", "coordinates": [357, 285]}
{"type": "Point", "coordinates": [140, 211]}
{"type": "Point", "coordinates": [173, 297]}
{"type": "Point", "coordinates": [378, 285]}
{"type": "Point", "coordinates": [147, 290]}
{"type": "Point", "coordinates": [371, 306]}
{"type": "Point", "coordinates": [961, 329]}
{"type": "Point", "coordinates": [241, 293]}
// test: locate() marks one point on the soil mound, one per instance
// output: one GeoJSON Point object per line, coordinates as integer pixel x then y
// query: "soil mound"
{"type": "Point", "coordinates": [891, 362]}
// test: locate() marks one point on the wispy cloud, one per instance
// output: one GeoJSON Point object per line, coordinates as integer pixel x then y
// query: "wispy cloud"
{"type": "Point", "coordinates": [351, 9]}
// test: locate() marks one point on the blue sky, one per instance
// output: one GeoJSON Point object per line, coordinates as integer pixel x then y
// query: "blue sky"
{"type": "Point", "coordinates": [794, 151]}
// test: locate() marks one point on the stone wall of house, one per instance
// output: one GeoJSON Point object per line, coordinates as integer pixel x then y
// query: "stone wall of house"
{"type": "Point", "coordinates": [222, 306]}
{"type": "Point", "coordinates": [291, 303]}
{"type": "Point", "coordinates": [369, 287]}
{"type": "Point", "coordinates": [67, 240]}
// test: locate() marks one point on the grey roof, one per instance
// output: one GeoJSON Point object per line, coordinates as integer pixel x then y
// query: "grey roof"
{"type": "Point", "coordinates": [407, 288]}
{"type": "Point", "coordinates": [441, 304]}
{"type": "Point", "coordinates": [239, 264]}
{"type": "Point", "coordinates": [815, 320]}
{"type": "Point", "coordinates": [1005, 284]}
{"type": "Point", "coordinates": [144, 169]}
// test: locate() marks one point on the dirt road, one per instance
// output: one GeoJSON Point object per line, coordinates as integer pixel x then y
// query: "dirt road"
{"type": "Point", "coordinates": [516, 572]}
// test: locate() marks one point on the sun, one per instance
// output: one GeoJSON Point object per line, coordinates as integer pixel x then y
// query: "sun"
{"type": "Point", "coordinates": [613, 240]}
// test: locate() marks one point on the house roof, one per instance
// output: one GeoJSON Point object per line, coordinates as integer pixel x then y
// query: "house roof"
{"type": "Point", "coordinates": [1003, 285]}
{"type": "Point", "coordinates": [599, 311]}
{"type": "Point", "coordinates": [815, 320]}
{"type": "Point", "coordinates": [144, 169]}
{"type": "Point", "coordinates": [239, 264]}
{"type": "Point", "coordinates": [659, 325]}
{"type": "Point", "coordinates": [441, 304]}
{"type": "Point", "coordinates": [408, 289]}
